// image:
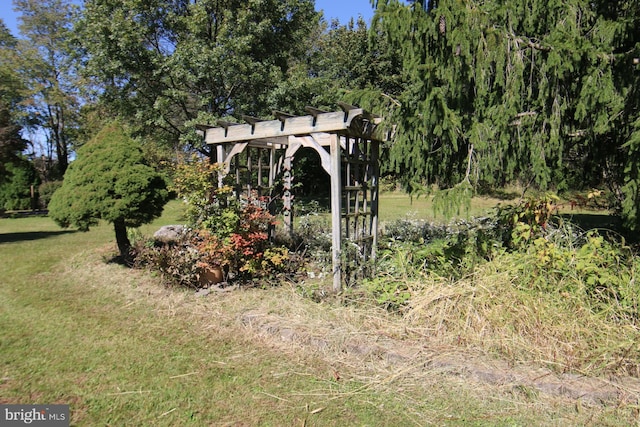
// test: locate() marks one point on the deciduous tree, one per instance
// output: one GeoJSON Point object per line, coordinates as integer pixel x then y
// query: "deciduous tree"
{"type": "Point", "coordinates": [168, 65]}
{"type": "Point", "coordinates": [11, 142]}
{"type": "Point", "coordinates": [47, 68]}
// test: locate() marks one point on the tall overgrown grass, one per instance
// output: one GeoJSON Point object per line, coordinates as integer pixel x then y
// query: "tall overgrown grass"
{"type": "Point", "coordinates": [520, 283]}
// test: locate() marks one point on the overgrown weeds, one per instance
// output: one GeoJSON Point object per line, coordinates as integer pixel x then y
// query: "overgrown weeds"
{"type": "Point", "coordinates": [520, 283]}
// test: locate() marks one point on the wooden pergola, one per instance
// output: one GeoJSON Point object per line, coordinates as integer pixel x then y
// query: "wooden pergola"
{"type": "Point", "coordinates": [348, 144]}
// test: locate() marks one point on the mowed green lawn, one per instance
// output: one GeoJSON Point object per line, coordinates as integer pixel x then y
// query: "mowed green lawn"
{"type": "Point", "coordinates": [69, 337]}
{"type": "Point", "coordinates": [122, 350]}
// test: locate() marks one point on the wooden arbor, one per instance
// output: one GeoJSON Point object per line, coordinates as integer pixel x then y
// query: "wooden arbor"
{"type": "Point", "coordinates": [348, 147]}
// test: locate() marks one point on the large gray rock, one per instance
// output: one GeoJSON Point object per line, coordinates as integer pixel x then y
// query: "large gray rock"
{"type": "Point", "coordinates": [169, 233]}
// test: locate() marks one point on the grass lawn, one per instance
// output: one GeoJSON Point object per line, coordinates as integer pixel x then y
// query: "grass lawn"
{"type": "Point", "coordinates": [122, 350]}
{"type": "Point", "coordinates": [399, 205]}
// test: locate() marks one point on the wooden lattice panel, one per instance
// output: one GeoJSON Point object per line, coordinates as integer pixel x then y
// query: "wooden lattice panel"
{"type": "Point", "coordinates": [256, 151]}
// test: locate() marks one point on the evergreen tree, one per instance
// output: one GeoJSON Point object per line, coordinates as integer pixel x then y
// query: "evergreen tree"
{"type": "Point", "coordinates": [627, 71]}
{"type": "Point", "coordinates": [110, 180]}
{"type": "Point", "coordinates": [19, 192]}
{"type": "Point", "coordinates": [499, 91]}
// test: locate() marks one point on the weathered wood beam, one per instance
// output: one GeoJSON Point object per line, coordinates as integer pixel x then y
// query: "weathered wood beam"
{"type": "Point", "coordinates": [279, 142]}
{"type": "Point", "coordinates": [282, 116]}
{"type": "Point", "coordinates": [235, 150]}
{"type": "Point", "coordinates": [315, 111]}
{"type": "Point", "coordinates": [335, 121]}
{"type": "Point", "coordinates": [312, 142]}
{"type": "Point", "coordinates": [225, 124]}
{"type": "Point", "coordinates": [204, 127]}
{"type": "Point", "coordinates": [336, 210]}
{"type": "Point", "coordinates": [347, 107]}
{"type": "Point", "coordinates": [251, 120]}
{"type": "Point", "coordinates": [373, 118]}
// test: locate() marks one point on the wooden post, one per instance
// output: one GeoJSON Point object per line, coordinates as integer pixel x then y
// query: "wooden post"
{"type": "Point", "coordinates": [220, 158]}
{"type": "Point", "coordinates": [287, 177]}
{"type": "Point", "coordinates": [375, 191]}
{"type": "Point", "coordinates": [272, 167]}
{"type": "Point", "coordinates": [336, 212]}
{"type": "Point", "coordinates": [260, 186]}
{"type": "Point", "coordinates": [249, 172]}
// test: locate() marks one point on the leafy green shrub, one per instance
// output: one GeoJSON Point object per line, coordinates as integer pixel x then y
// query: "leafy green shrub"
{"type": "Point", "coordinates": [601, 274]}
{"type": "Point", "coordinates": [549, 255]}
{"type": "Point", "coordinates": [446, 250]}
{"type": "Point", "coordinates": [15, 192]}
{"type": "Point", "coordinates": [196, 182]}
{"type": "Point", "coordinates": [232, 233]}
{"type": "Point", "coordinates": [407, 230]}
{"type": "Point", "coordinates": [521, 282]}
{"type": "Point", "coordinates": [313, 233]}
{"type": "Point", "coordinates": [389, 291]}
{"type": "Point", "coordinates": [519, 224]}
{"type": "Point", "coordinates": [389, 183]}
{"type": "Point", "coordinates": [45, 191]}
{"type": "Point", "coordinates": [239, 239]}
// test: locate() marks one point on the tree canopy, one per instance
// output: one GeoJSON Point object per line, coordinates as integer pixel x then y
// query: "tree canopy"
{"type": "Point", "coordinates": [11, 142]}
{"type": "Point", "coordinates": [46, 64]}
{"type": "Point", "coordinates": [480, 93]}
{"type": "Point", "coordinates": [110, 180]}
{"type": "Point", "coordinates": [537, 91]}
{"type": "Point", "coordinates": [167, 65]}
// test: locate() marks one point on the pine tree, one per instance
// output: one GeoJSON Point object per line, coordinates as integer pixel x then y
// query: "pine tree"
{"type": "Point", "coordinates": [500, 91]}
{"type": "Point", "coordinates": [110, 180]}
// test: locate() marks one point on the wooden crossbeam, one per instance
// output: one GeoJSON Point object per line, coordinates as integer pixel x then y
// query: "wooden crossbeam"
{"type": "Point", "coordinates": [314, 111]}
{"type": "Point", "coordinates": [282, 116]}
{"type": "Point", "coordinates": [336, 121]}
{"type": "Point", "coordinates": [225, 124]}
{"type": "Point", "coordinates": [204, 127]}
{"type": "Point", "coordinates": [251, 120]}
{"type": "Point", "coordinates": [347, 107]}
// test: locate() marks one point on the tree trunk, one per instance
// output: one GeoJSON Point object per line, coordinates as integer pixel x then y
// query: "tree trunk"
{"type": "Point", "coordinates": [124, 245]}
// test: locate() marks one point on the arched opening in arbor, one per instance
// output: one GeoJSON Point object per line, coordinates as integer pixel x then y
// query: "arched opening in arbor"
{"type": "Point", "coordinates": [258, 153]}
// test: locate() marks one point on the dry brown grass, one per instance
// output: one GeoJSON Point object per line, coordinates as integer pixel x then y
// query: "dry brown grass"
{"type": "Point", "coordinates": [486, 312]}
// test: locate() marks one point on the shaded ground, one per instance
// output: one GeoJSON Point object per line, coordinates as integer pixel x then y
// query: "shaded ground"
{"type": "Point", "coordinates": [31, 235]}
{"type": "Point", "coordinates": [603, 222]}
{"type": "Point", "coordinates": [23, 214]}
